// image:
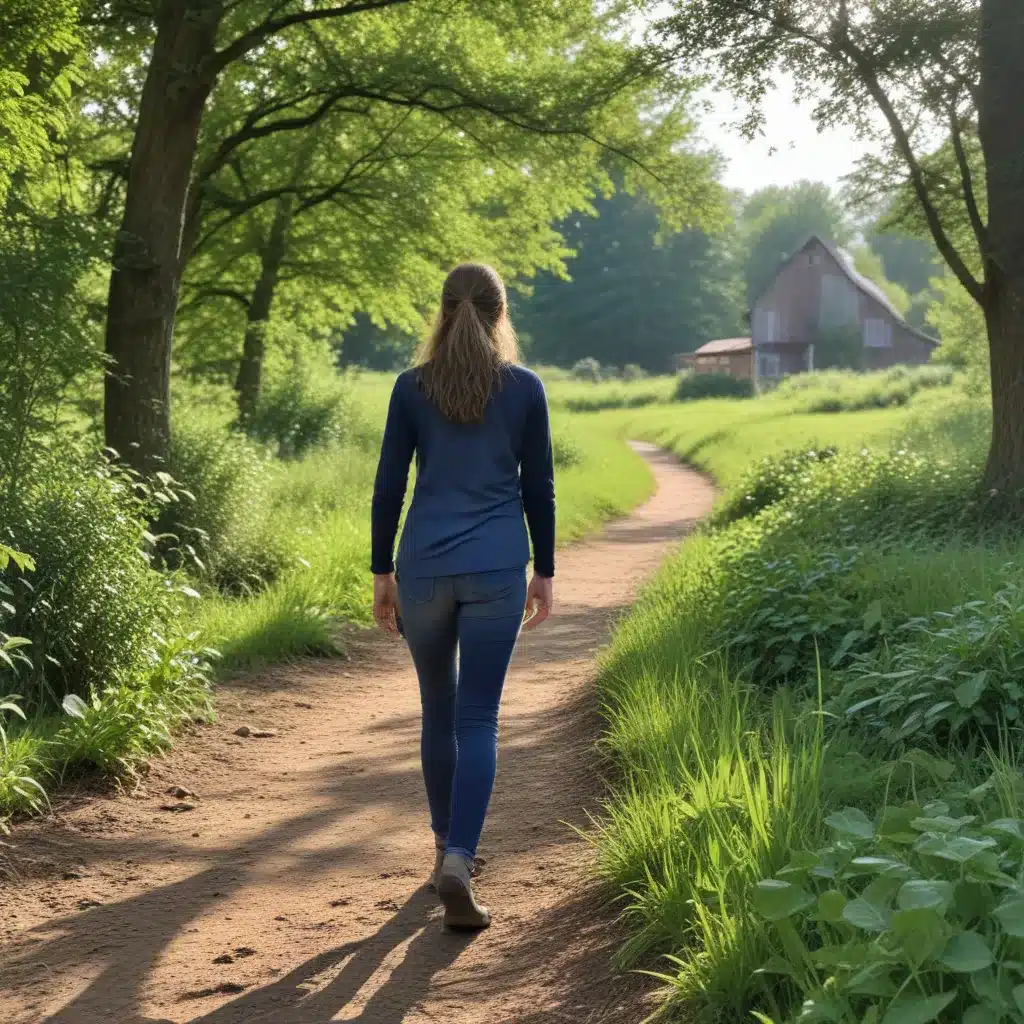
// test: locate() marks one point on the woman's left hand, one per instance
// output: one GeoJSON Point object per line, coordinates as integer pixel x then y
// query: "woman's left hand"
{"type": "Point", "coordinates": [385, 602]}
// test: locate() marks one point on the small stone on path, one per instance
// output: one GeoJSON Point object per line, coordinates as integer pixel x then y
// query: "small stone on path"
{"type": "Point", "coordinates": [247, 732]}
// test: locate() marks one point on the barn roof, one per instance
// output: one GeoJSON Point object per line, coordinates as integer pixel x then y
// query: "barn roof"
{"type": "Point", "coordinates": [845, 263]}
{"type": "Point", "coordinates": [724, 346]}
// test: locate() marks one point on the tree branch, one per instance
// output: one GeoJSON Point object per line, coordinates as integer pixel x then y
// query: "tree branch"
{"type": "Point", "coordinates": [967, 180]}
{"type": "Point", "coordinates": [251, 39]}
{"type": "Point", "coordinates": [905, 148]}
{"type": "Point", "coordinates": [218, 292]}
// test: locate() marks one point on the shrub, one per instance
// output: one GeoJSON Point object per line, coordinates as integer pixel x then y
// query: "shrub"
{"type": "Point", "coordinates": [608, 396]}
{"type": "Point", "coordinates": [222, 527]}
{"type": "Point", "coordinates": [120, 725]}
{"type": "Point", "coordinates": [846, 391]}
{"type": "Point", "coordinates": [631, 372]}
{"type": "Point", "coordinates": [915, 917]}
{"type": "Point", "coordinates": [691, 387]}
{"type": "Point", "coordinates": [93, 605]}
{"type": "Point", "coordinates": [567, 450]}
{"type": "Point", "coordinates": [866, 496]}
{"type": "Point", "coordinates": [302, 403]}
{"type": "Point", "coordinates": [587, 369]}
{"type": "Point", "coordinates": [943, 677]}
{"type": "Point", "coordinates": [781, 614]}
{"type": "Point", "coordinates": [48, 341]}
{"type": "Point", "coordinates": [770, 481]}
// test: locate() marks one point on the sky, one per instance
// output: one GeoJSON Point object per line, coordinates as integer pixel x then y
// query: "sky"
{"type": "Point", "coordinates": [791, 148]}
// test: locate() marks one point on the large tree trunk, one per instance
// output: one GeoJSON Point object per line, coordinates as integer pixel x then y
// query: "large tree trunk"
{"type": "Point", "coordinates": [144, 285]}
{"type": "Point", "coordinates": [1001, 124]}
{"type": "Point", "coordinates": [1004, 316]}
{"type": "Point", "coordinates": [250, 370]}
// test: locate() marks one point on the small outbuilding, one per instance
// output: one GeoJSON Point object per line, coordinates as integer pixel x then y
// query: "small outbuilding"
{"type": "Point", "coordinates": [730, 357]}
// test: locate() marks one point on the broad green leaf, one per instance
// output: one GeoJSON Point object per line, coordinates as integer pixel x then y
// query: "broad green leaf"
{"type": "Point", "coordinates": [876, 865]}
{"type": "Point", "coordinates": [1010, 914]}
{"type": "Point", "coordinates": [852, 822]}
{"type": "Point", "coordinates": [974, 900]}
{"type": "Point", "coordinates": [923, 934]}
{"type": "Point", "coordinates": [776, 900]}
{"type": "Point", "coordinates": [874, 979]}
{"type": "Point", "coordinates": [882, 890]}
{"type": "Point", "coordinates": [1006, 827]}
{"type": "Point", "coordinates": [925, 893]}
{"type": "Point", "coordinates": [969, 693]}
{"type": "Point", "coordinates": [866, 916]}
{"type": "Point", "coordinates": [895, 824]}
{"type": "Point", "coordinates": [990, 989]}
{"type": "Point", "coordinates": [830, 906]}
{"type": "Point", "coordinates": [1018, 997]}
{"type": "Point", "coordinates": [917, 1009]}
{"type": "Point", "coordinates": [977, 1014]}
{"type": "Point", "coordinates": [942, 823]}
{"type": "Point", "coordinates": [966, 953]}
{"type": "Point", "coordinates": [873, 615]}
{"type": "Point", "coordinates": [959, 849]}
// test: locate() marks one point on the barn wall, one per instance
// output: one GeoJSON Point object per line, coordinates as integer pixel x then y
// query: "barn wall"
{"type": "Point", "coordinates": [812, 292]}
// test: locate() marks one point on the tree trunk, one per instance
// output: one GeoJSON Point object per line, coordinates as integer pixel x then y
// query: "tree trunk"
{"type": "Point", "coordinates": [1004, 317]}
{"type": "Point", "coordinates": [1001, 126]}
{"type": "Point", "coordinates": [144, 285]}
{"type": "Point", "coordinates": [250, 369]}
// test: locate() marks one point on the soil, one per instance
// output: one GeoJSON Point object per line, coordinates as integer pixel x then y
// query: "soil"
{"type": "Point", "coordinates": [271, 869]}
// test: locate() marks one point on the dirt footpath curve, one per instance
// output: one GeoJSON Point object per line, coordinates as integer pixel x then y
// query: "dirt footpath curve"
{"type": "Point", "coordinates": [283, 882]}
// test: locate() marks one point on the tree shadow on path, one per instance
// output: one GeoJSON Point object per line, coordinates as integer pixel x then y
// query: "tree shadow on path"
{"type": "Point", "coordinates": [319, 989]}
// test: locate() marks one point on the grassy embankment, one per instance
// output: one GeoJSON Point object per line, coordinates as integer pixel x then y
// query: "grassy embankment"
{"type": "Point", "coordinates": [813, 716]}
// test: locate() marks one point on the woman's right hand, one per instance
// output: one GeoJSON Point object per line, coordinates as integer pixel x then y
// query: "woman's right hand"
{"type": "Point", "coordinates": [385, 602]}
{"type": "Point", "coordinates": [539, 599]}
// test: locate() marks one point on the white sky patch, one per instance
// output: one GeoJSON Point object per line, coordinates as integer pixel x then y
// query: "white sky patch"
{"type": "Point", "coordinates": [790, 148]}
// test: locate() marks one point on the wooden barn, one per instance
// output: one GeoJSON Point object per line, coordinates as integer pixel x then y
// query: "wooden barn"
{"type": "Point", "coordinates": [816, 297]}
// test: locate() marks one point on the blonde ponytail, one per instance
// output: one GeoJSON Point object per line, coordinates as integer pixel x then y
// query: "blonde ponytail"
{"type": "Point", "coordinates": [471, 344]}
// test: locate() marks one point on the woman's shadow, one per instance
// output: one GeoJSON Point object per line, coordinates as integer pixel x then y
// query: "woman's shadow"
{"type": "Point", "coordinates": [319, 989]}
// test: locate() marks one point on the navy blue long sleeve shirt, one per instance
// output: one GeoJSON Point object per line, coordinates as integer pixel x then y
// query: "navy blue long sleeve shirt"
{"type": "Point", "coordinates": [473, 483]}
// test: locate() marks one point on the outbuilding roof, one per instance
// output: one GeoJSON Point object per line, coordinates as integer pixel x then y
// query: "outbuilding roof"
{"type": "Point", "coordinates": [725, 346]}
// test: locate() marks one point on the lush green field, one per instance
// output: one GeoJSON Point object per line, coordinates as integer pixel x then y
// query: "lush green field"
{"type": "Point", "coordinates": [813, 720]}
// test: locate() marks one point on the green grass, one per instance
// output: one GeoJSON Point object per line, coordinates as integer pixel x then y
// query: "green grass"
{"type": "Point", "coordinates": [725, 774]}
{"type": "Point", "coordinates": [584, 396]}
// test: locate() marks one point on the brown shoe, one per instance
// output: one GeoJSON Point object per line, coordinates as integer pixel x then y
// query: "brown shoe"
{"type": "Point", "coordinates": [455, 888]}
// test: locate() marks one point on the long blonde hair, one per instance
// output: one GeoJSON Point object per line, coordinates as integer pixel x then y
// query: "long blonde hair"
{"type": "Point", "coordinates": [471, 344]}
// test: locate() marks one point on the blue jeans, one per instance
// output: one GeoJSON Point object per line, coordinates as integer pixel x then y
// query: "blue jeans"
{"type": "Point", "coordinates": [461, 631]}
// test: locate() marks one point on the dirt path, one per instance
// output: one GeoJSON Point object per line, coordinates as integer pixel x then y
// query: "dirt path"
{"type": "Point", "coordinates": [292, 893]}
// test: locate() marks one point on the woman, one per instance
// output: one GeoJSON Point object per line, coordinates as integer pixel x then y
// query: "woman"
{"type": "Point", "coordinates": [478, 424]}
